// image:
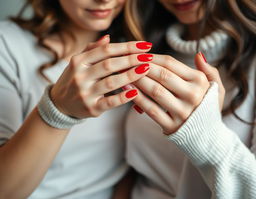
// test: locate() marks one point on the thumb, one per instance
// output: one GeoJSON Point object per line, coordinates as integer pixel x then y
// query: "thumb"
{"type": "Point", "coordinates": [211, 73]}
{"type": "Point", "coordinates": [101, 41]}
{"type": "Point", "coordinates": [202, 65]}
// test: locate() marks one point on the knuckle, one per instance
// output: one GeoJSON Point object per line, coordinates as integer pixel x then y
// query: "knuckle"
{"type": "Point", "coordinates": [109, 83]}
{"type": "Point", "coordinates": [130, 76]}
{"type": "Point", "coordinates": [157, 91]}
{"type": "Point", "coordinates": [107, 65]}
{"type": "Point", "coordinates": [164, 75]}
{"type": "Point", "coordinates": [107, 49]}
{"type": "Point", "coordinates": [93, 113]}
{"type": "Point", "coordinates": [152, 112]}
{"type": "Point", "coordinates": [129, 46]}
{"type": "Point", "coordinates": [130, 60]}
{"type": "Point", "coordinates": [195, 97]}
{"type": "Point", "coordinates": [200, 78]}
{"type": "Point", "coordinates": [183, 115]}
{"type": "Point", "coordinates": [168, 58]}
{"type": "Point", "coordinates": [110, 102]}
{"type": "Point", "coordinates": [73, 62]}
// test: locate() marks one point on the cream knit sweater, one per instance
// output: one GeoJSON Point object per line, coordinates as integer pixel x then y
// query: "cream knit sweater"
{"type": "Point", "coordinates": [210, 156]}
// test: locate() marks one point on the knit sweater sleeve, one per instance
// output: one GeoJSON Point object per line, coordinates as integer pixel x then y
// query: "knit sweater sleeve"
{"type": "Point", "coordinates": [226, 164]}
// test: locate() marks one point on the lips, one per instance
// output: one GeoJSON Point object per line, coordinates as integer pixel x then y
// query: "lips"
{"type": "Point", "coordinates": [185, 6]}
{"type": "Point", "coordinates": [98, 13]}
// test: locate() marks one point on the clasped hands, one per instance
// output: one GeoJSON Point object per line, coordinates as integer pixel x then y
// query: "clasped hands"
{"type": "Point", "coordinates": [163, 87]}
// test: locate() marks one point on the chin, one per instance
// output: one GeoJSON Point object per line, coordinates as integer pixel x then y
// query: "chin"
{"type": "Point", "coordinates": [98, 26]}
{"type": "Point", "coordinates": [189, 19]}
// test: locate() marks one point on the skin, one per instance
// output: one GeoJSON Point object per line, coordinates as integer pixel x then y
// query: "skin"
{"type": "Point", "coordinates": [189, 17]}
{"type": "Point", "coordinates": [170, 82]}
{"type": "Point", "coordinates": [79, 92]}
{"type": "Point", "coordinates": [84, 26]}
{"type": "Point", "coordinates": [176, 88]}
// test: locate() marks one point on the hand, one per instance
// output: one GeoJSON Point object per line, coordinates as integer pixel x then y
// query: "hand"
{"type": "Point", "coordinates": [176, 90]}
{"type": "Point", "coordinates": [80, 91]}
{"type": "Point", "coordinates": [212, 75]}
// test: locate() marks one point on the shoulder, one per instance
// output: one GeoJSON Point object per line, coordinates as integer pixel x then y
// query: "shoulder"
{"type": "Point", "coordinates": [17, 46]}
{"type": "Point", "coordinates": [9, 29]}
{"type": "Point", "coordinates": [13, 38]}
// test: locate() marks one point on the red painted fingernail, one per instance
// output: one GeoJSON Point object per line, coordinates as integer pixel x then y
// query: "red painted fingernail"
{"type": "Point", "coordinates": [138, 109]}
{"type": "Point", "coordinates": [142, 68]}
{"type": "Point", "coordinates": [145, 57]}
{"type": "Point", "coordinates": [144, 45]}
{"type": "Point", "coordinates": [131, 93]}
{"type": "Point", "coordinates": [203, 57]}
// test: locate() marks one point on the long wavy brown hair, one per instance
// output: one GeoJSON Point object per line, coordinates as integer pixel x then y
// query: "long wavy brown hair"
{"type": "Point", "coordinates": [49, 18]}
{"type": "Point", "coordinates": [148, 20]}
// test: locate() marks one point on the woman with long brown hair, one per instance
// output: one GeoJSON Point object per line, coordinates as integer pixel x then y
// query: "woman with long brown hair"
{"type": "Point", "coordinates": [47, 148]}
{"type": "Point", "coordinates": [211, 141]}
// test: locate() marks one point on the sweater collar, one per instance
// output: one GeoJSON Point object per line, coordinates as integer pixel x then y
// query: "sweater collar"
{"type": "Point", "coordinates": [213, 45]}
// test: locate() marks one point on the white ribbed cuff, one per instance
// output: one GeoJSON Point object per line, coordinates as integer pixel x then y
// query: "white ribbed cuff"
{"type": "Point", "coordinates": [52, 116]}
{"type": "Point", "coordinates": [204, 138]}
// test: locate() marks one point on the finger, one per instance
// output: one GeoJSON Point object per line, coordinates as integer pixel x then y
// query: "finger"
{"type": "Point", "coordinates": [112, 50]}
{"type": "Point", "coordinates": [106, 103]}
{"type": "Point", "coordinates": [211, 73]}
{"type": "Point", "coordinates": [175, 66]}
{"type": "Point", "coordinates": [117, 64]}
{"type": "Point", "coordinates": [114, 82]}
{"type": "Point", "coordinates": [154, 111]}
{"type": "Point", "coordinates": [101, 41]}
{"type": "Point", "coordinates": [170, 81]}
{"type": "Point", "coordinates": [161, 96]}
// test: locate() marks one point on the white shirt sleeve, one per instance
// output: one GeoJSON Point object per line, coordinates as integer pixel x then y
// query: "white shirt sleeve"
{"type": "Point", "coordinates": [226, 164]}
{"type": "Point", "coordinates": [11, 116]}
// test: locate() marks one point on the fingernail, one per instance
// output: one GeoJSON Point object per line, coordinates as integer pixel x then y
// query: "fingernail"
{"type": "Point", "coordinates": [127, 87]}
{"type": "Point", "coordinates": [142, 68]}
{"type": "Point", "coordinates": [202, 54]}
{"type": "Point", "coordinates": [138, 109]}
{"type": "Point", "coordinates": [143, 45]}
{"type": "Point", "coordinates": [131, 93]}
{"type": "Point", "coordinates": [145, 57]}
{"type": "Point", "coordinates": [103, 37]}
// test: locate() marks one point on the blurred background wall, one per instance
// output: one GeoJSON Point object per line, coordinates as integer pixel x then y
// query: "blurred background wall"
{"type": "Point", "coordinates": [11, 8]}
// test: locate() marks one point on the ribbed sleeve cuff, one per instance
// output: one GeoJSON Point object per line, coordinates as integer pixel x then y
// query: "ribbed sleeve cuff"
{"type": "Point", "coordinates": [52, 116]}
{"type": "Point", "coordinates": [204, 138]}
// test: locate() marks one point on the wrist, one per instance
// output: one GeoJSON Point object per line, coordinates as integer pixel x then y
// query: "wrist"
{"type": "Point", "coordinates": [52, 115]}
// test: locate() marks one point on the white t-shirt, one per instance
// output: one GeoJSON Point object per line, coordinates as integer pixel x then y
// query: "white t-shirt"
{"type": "Point", "coordinates": [91, 159]}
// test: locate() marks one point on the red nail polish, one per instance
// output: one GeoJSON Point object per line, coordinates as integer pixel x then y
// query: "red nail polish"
{"type": "Point", "coordinates": [143, 45]}
{"type": "Point", "coordinates": [145, 57]}
{"type": "Point", "coordinates": [203, 57]}
{"type": "Point", "coordinates": [131, 93]}
{"type": "Point", "coordinates": [142, 68]}
{"type": "Point", "coordinates": [138, 109]}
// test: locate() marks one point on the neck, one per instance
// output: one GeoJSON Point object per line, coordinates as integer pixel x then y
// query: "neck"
{"type": "Point", "coordinates": [191, 32]}
{"type": "Point", "coordinates": [71, 41]}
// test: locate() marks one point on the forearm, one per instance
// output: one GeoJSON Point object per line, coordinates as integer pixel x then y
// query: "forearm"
{"type": "Point", "coordinates": [27, 156]}
{"type": "Point", "coordinates": [226, 164]}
